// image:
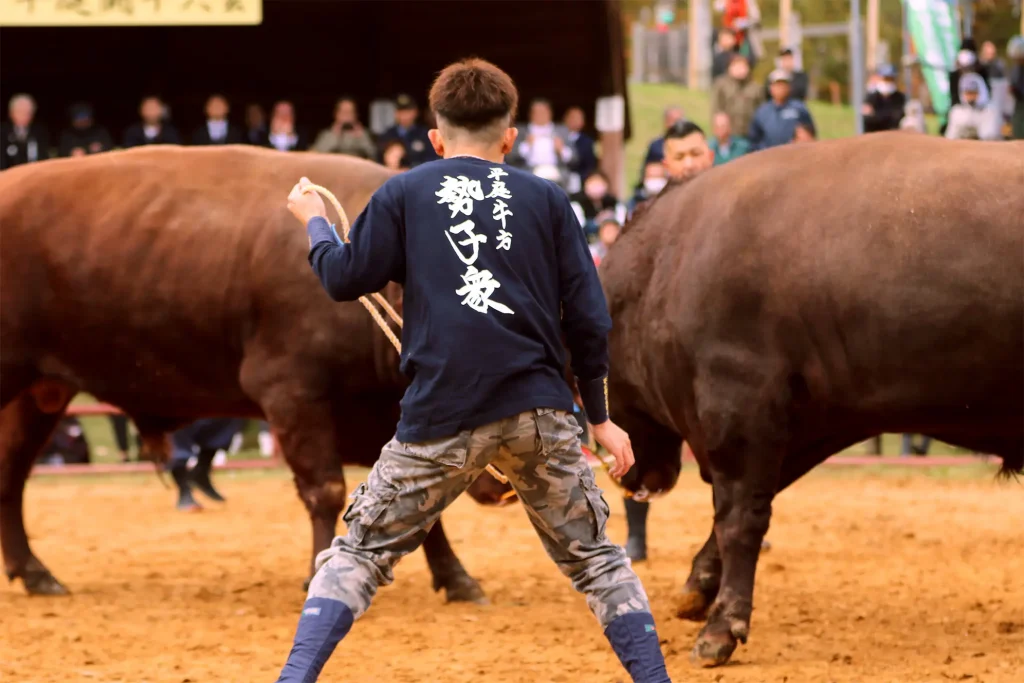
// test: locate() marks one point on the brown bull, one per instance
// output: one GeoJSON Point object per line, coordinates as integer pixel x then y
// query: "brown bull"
{"type": "Point", "coordinates": [797, 301]}
{"type": "Point", "coordinates": [173, 283]}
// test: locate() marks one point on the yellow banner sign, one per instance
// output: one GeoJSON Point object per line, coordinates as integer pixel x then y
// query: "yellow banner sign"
{"type": "Point", "coordinates": [130, 12]}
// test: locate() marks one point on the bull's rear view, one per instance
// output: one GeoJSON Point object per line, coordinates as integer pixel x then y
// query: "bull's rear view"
{"type": "Point", "coordinates": [795, 302]}
{"type": "Point", "coordinates": [173, 283]}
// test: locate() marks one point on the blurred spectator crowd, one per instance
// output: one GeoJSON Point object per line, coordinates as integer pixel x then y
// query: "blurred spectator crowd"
{"type": "Point", "coordinates": [746, 116]}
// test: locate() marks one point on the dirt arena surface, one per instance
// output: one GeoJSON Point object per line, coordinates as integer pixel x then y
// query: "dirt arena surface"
{"type": "Point", "coordinates": [873, 576]}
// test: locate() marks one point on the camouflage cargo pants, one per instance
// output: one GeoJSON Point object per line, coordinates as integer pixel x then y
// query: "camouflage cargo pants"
{"type": "Point", "coordinates": [411, 484]}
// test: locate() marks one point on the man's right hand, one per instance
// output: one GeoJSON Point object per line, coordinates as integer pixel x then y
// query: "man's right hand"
{"type": "Point", "coordinates": [616, 442]}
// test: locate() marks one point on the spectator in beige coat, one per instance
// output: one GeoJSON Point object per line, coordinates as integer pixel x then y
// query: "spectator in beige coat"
{"type": "Point", "coordinates": [735, 94]}
{"type": "Point", "coordinates": [346, 135]}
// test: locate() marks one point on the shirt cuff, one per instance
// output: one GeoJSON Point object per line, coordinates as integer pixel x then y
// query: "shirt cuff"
{"type": "Point", "coordinates": [319, 230]}
{"type": "Point", "coordinates": [595, 399]}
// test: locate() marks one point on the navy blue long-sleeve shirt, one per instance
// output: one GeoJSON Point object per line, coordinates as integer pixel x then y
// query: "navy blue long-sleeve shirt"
{"type": "Point", "coordinates": [495, 267]}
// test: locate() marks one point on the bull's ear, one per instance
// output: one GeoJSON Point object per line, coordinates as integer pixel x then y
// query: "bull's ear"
{"type": "Point", "coordinates": [436, 141]}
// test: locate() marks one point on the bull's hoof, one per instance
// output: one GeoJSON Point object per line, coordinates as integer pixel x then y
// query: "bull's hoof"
{"type": "Point", "coordinates": [714, 647]}
{"type": "Point", "coordinates": [765, 545]}
{"type": "Point", "coordinates": [43, 583]}
{"type": "Point", "coordinates": [636, 549]}
{"type": "Point", "coordinates": [692, 605]}
{"type": "Point", "coordinates": [464, 588]}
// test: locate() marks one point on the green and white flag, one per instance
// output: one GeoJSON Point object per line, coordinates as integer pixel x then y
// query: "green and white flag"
{"type": "Point", "coordinates": [936, 35]}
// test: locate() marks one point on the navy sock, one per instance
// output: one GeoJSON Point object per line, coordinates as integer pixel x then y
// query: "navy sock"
{"type": "Point", "coordinates": [636, 643]}
{"type": "Point", "coordinates": [323, 624]}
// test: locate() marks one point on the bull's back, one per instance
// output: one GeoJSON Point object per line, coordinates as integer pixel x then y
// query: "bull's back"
{"type": "Point", "coordinates": [164, 263]}
{"type": "Point", "coordinates": [885, 272]}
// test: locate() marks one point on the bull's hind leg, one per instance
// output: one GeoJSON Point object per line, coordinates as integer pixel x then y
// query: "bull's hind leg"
{"type": "Point", "coordinates": [705, 578]}
{"type": "Point", "coordinates": [448, 571]}
{"type": "Point", "coordinates": [24, 430]}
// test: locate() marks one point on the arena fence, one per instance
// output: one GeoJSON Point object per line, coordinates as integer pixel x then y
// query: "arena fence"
{"type": "Point", "coordinates": [102, 409]}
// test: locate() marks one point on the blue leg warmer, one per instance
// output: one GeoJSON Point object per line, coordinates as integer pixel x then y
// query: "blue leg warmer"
{"type": "Point", "coordinates": [636, 643]}
{"type": "Point", "coordinates": [323, 624]}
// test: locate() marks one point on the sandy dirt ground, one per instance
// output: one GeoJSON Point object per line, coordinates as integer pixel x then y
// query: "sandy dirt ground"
{"type": "Point", "coordinates": [871, 577]}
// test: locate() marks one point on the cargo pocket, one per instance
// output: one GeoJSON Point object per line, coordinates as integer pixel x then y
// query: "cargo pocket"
{"type": "Point", "coordinates": [368, 507]}
{"type": "Point", "coordinates": [598, 506]}
{"type": "Point", "coordinates": [451, 451]}
{"type": "Point", "coordinates": [557, 431]}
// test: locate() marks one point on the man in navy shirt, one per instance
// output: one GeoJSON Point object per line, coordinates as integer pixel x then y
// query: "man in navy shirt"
{"type": "Point", "coordinates": [775, 122]}
{"type": "Point", "coordinates": [495, 269]}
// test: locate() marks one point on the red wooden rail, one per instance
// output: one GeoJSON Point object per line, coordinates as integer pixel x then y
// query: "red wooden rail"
{"type": "Point", "coordinates": [99, 409]}
{"type": "Point", "coordinates": [91, 409]}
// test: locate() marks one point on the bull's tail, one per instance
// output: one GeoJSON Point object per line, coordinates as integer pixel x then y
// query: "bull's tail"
{"type": "Point", "coordinates": [1013, 466]}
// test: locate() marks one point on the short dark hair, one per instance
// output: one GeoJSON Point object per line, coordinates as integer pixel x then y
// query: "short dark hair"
{"type": "Point", "coordinates": [473, 94]}
{"type": "Point", "coordinates": [683, 128]}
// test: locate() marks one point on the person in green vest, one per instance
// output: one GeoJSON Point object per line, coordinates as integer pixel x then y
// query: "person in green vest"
{"type": "Point", "coordinates": [724, 144]}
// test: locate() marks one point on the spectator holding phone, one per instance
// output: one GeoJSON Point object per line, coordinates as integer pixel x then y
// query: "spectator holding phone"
{"type": "Point", "coordinates": [346, 135]}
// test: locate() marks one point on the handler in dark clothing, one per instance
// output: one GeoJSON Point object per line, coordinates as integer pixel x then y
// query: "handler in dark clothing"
{"type": "Point", "coordinates": [495, 270]}
{"type": "Point", "coordinates": [418, 149]}
{"type": "Point", "coordinates": [883, 109]}
{"type": "Point", "coordinates": [84, 136]}
{"type": "Point", "coordinates": [202, 438]}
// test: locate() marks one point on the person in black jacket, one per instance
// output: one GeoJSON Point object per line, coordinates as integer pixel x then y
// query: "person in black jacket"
{"type": "Point", "coordinates": [883, 109]}
{"type": "Point", "coordinates": [217, 130]}
{"type": "Point", "coordinates": [418, 149]}
{"type": "Point", "coordinates": [798, 81]}
{"type": "Point", "coordinates": [584, 160]}
{"type": "Point", "coordinates": [152, 130]}
{"type": "Point", "coordinates": [84, 136]}
{"type": "Point", "coordinates": [23, 141]}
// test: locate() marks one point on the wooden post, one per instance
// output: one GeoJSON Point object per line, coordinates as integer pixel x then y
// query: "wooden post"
{"type": "Point", "coordinates": [785, 19]}
{"type": "Point", "coordinates": [872, 51]}
{"type": "Point", "coordinates": [693, 52]}
{"type": "Point", "coordinates": [610, 121]}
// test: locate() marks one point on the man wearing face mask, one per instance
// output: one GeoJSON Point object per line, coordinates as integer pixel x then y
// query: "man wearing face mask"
{"type": "Point", "coordinates": [883, 108]}
{"type": "Point", "coordinates": [594, 199]}
{"type": "Point", "coordinates": [653, 183]}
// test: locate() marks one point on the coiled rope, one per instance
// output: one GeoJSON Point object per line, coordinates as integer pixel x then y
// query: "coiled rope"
{"type": "Point", "coordinates": [379, 298]}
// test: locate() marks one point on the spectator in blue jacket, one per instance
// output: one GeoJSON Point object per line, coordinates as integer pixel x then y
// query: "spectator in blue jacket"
{"type": "Point", "coordinates": [775, 121]}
